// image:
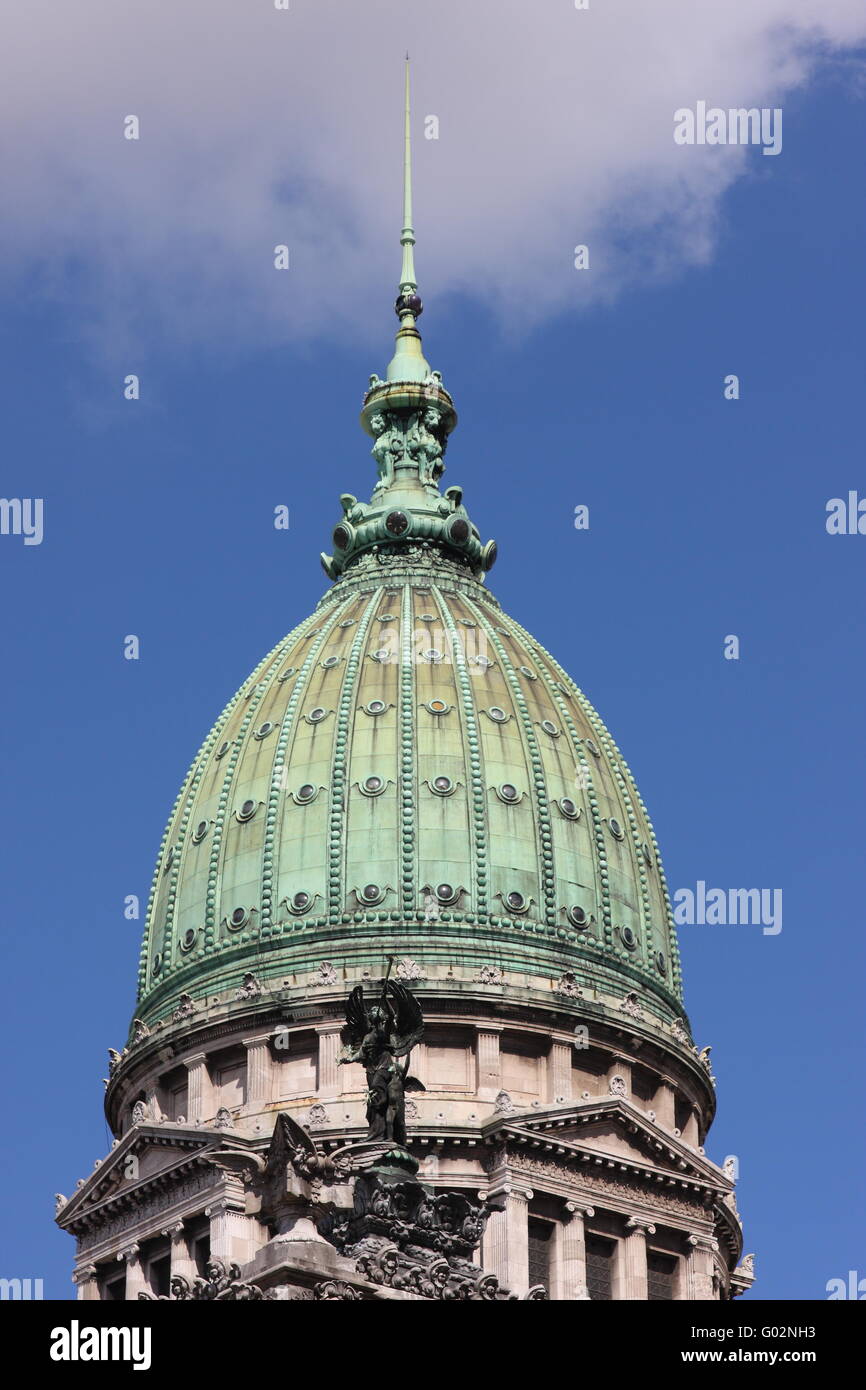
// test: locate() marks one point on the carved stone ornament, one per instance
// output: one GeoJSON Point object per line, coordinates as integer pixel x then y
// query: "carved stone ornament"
{"type": "Point", "coordinates": [140, 1030]}
{"type": "Point", "coordinates": [139, 1113]}
{"type": "Point", "coordinates": [617, 1086]}
{"type": "Point", "coordinates": [567, 985]}
{"type": "Point", "coordinates": [631, 1006]}
{"type": "Point", "coordinates": [222, 1283]}
{"type": "Point", "coordinates": [250, 988]}
{"type": "Point", "coordinates": [504, 1105]}
{"type": "Point", "coordinates": [317, 1115]}
{"type": "Point", "coordinates": [185, 1009]}
{"type": "Point", "coordinates": [489, 975]}
{"type": "Point", "coordinates": [409, 970]}
{"type": "Point", "coordinates": [324, 974]}
{"type": "Point", "coordinates": [336, 1289]}
{"type": "Point", "coordinates": [223, 1118]}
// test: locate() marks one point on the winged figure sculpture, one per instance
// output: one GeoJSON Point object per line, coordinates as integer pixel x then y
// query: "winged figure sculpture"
{"type": "Point", "coordinates": [379, 1036]}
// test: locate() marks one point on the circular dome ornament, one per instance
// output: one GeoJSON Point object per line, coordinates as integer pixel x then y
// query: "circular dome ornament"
{"type": "Point", "coordinates": [371, 894]}
{"type": "Point", "coordinates": [446, 894]}
{"type": "Point", "coordinates": [437, 707]}
{"type": "Point", "coordinates": [550, 728]}
{"type": "Point", "coordinates": [246, 811]}
{"type": "Point", "coordinates": [222, 750]}
{"type": "Point", "coordinates": [396, 523]}
{"type": "Point", "coordinates": [316, 715]}
{"type": "Point", "coordinates": [375, 707]}
{"type": "Point", "coordinates": [299, 903]}
{"type": "Point", "coordinates": [200, 831]}
{"type": "Point", "coordinates": [497, 714]}
{"type": "Point", "coordinates": [238, 919]}
{"type": "Point", "coordinates": [287, 675]}
{"type": "Point", "coordinates": [189, 939]}
{"type": "Point", "coordinates": [373, 785]}
{"type": "Point", "coordinates": [628, 938]}
{"type": "Point", "coordinates": [263, 730]}
{"type": "Point", "coordinates": [343, 535]}
{"type": "Point", "coordinates": [516, 902]}
{"type": "Point", "coordinates": [661, 963]}
{"type": "Point", "coordinates": [568, 808]}
{"type": "Point", "coordinates": [593, 747]}
{"type": "Point", "coordinates": [616, 829]}
{"type": "Point", "coordinates": [577, 916]}
{"type": "Point", "coordinates": [442, 785]}
{"type": "Point", "coordinates": [508, 793]}
{"type": "Point", "coordinates": [458, 531]}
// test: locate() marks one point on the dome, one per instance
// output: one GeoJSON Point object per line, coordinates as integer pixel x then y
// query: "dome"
{"type": "Point", "coordinates": [409, 772]}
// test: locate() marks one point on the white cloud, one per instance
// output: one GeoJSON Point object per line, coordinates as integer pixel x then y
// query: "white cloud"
{"type": "Point", "coordinates": [262, 126]}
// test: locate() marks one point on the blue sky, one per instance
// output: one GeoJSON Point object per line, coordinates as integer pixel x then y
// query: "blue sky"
{"type": "Point", "coordinates": [707, 517]}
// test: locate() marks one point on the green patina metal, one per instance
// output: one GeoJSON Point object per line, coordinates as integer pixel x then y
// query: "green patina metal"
{"type": "Point", "coordinates": [357, 775]}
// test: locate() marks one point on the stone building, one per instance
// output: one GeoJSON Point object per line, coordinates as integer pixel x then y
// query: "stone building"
{"type": "Point", "coordinates": [409, 774]}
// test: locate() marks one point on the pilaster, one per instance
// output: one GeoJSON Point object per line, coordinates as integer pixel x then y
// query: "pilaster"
{"type": "Point", "coordinates": [698, 1268]}
{"type": "Point", "coordinates": [200, 1097]}
{"type": "Point", "coordinates": [86, 1282]}
{"type": "Point", "coordinates": [488, 1062]}
{"type": "Point", "coordinates": [328, 1081]}
{"type": "Point", "coordinates": [260, 1071]}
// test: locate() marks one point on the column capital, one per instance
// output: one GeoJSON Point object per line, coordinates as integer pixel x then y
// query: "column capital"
{"type": "Point", "coordinates": [330, 1025]}
{"type": "Point", "coordinates": [508, 1189]}
{"type": "Point", "coordinates": [638, 1224]}
{"type": "Point", "coordinates": [84, 1274]}
{"type": "Point", "coordinates": [257, 1039]}
{"type": "Point", "coordinates": [699, 1241]}
{"type": "Point", "coordinates": [176, 1230]}
{"type": "Point", "coordinates": [131, 1253]}
{"type": "Point", "coordinates": [579, 1209]}
{"type": "Point", "coordinates": [490, 1027]}
{"type": "Point", "coordinates": [195, 1059]}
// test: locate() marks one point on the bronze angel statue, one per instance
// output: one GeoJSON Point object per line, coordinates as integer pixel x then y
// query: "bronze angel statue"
{"type": "Point", "coordinates": [378, 1037]}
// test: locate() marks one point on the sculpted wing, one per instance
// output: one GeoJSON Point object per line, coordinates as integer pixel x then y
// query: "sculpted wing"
{"type": "Point", "coordinates": [356, 1025]}
{"type": "Point", "coordinates": [409, 1019]}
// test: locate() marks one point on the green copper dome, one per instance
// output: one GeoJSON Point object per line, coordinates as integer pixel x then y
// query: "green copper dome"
{"type": "Point", "coordinates": [409, 772]}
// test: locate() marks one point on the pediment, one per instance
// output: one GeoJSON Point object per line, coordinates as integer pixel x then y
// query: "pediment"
{"type": "Point", "coordinates": [140, 1157]}
{"type": "Point", "coordinates": [617, 1132]}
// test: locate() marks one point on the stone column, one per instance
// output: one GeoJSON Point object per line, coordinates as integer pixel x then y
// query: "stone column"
{"type": "Point", "coordinates": [182, 1263]}
{"type": "Point", "coordinates": [697, 1269]}
{"type": "Point", "coordinates": [229, 1233]}
{"type": "Point", "coordinates": [664, 1104]}
{"type": "Point", "coordinates": [260, 1072]}
{"type": "Point", "coordinates": [570, 1280]}
{"type": "Point", "coordinates": [86, 1282]}
{"type": "Point", "coordinates": [200, 1098]}
{"type": "Point", "coordinates": [135, 1281]}
{"type": "Point", "coordinates": [633, 1283]}
{"type": "Point", "coordinates": [328, 1078]}
{"type": "Point", "coordinates": [506, 1240]}
{"type": "Point", "coordinates": [559, 1072]}
{"type": "Point", "coordinates": [488, 1069]}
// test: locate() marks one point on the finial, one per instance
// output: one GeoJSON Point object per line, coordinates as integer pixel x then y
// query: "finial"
{"type": "Point", "coordinates": [407, 235]}
{"type": "Point", "coordinates": [408, 363]}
